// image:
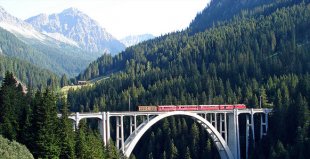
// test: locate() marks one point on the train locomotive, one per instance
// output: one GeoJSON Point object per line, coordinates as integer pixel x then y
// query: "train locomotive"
{"type": "Point", "coordinates": [163, 108]}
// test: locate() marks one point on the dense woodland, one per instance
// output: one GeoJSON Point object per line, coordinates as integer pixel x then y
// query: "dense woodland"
{"type": "Point", "coordinates": [258, 52]}
{"type": "Point", "coordinates": [255, 50]}
{"type": "Point", "coordinates": [31, 119]}
{"type": "Point", "coordinates": [28, 74]}
{"type": "Point", "coordinates": [58, 59]}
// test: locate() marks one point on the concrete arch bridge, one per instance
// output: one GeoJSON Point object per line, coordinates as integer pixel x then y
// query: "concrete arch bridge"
{"type": "Point", "coordinates": [221, 125]}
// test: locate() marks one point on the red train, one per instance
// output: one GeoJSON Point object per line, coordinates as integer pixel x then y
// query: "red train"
{"type": "Point", "coordinates": [162, 108]}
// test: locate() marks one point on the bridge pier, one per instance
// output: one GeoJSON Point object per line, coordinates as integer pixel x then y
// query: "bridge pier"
{"type": "Point", "coordinates": [263, 125]}
{"type": "Point", "coordinates": [213, 119]}
{"type": "Point", "coordinates": [102, 128]}
{"type": "Point", "coordinates": [120, 132]}
{"type": "Point", "coordinates": [223, 126]}
{"type": "Point", "coordinates": [233, 134]}
{"type": "Point", "coordinates": [77, 120]}
{"type": "Point", "coordinates": [247, 133]}
{"type": "Point", "coordinates": [133, 123]}
{"type": "Point", "coordinates": [108, 127]}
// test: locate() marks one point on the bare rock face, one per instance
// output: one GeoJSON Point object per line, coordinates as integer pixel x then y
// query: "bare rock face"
{"type": "Point", "coordinates": [77, 26]}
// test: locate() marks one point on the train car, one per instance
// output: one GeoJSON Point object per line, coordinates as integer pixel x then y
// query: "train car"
{"type": "Point", "coordinates": [190, 107]}
{"type": "Point", "coordinates": [240, 106]}
{"type": "Point", "coordinates": [208, 107]}
{"type": "Point", "coordinates": [147, 108]}
{"type": "Point", "coordinates": [163, 108]}
{"type": "Point", "coordinates": [228, 107]}
{"type": "Point", "coordinates": [187, 107]}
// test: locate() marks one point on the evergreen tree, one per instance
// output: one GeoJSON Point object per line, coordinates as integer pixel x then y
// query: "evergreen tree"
{"type": "Point", "coordinates": [111, 150]}
{"type": "Point", "coordinates": [194, 134]}
{"type": "Point", "coordinates": [63, 80]}
{"type": "Point", "coordinates": [164, 155]}
{"type": "Point", "coordinates": [173, 151]}
{"type": "Point", "coordinates": [81, 147]}
{"type": "Point", "coordinates": [25, 119]}
{"type": "Point", "coordinates": [45, 122]}
{"type": "Point", "coordinates": [95, 145]}
{"type": "Point", "coordinates": [66, 134]}
{"type": "Point", "coordinates": [10, 100]}
{"type": "Point", "coordinates": [279, 151]}
{"type": "Point", "coordinates": [187, 154]}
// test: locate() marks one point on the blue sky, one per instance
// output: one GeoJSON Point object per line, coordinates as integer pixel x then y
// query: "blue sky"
{"type": "Point", "coordinates": [120, 17]}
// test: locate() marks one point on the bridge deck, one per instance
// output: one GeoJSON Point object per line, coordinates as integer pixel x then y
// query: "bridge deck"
{"type": "Point", "coordinates": [139, 113]}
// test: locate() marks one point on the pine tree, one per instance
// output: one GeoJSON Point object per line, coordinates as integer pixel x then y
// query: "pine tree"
{"type": "Point", "coordinates": [94, 144]}
{"type": "Point", "coordinates": [63, 81]}
{"type": "Point", "coordinates": [279, 151]}
{"type": "Point", "coordinates": [164, 155]}
{"type": "Point", "coordinates": [263, 98]}
{"type": "Point", "coordinates": [45, 121]}
{"type": "Point", "coordinates": [194, 133]}
{"type": "Point", "coordinates": [111, 150]}
{"type": "Point", "coordinates": [173, 151]}
{"type": "Point", "coordinates": [81, 141]}
{"type": "Point", "coordinates": [187, 154]}
{"type": "Point", "coordinates": [10, 106]}
{"type": "Point", "coordinates": [66, 134]}
{"type": "Point", "coordinates": [25, 134]}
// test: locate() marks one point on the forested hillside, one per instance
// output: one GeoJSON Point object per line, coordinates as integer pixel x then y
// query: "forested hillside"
{"type": "Point", "coordinates": [28, 74]}
{"type": "Point", "coordinates": [263, 51]}
{"type": "Point", "coordinates": [59, 59]}
{"type": "Point", "coordinates": [31, 119]}
{"type": "Point", "coordinates": [254, 49]}
{"type": "Point", "coordinates": [220, 12]}
{"type": "Point", "coordinates": [244, 50]}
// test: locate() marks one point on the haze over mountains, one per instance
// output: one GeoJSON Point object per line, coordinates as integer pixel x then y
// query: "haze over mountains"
{"type": "Point", "coordinates": [135, 39]}
{"type": "Point", "coordinates": [64, 43]}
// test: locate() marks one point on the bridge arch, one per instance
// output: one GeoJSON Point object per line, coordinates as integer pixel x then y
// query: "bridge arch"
{"type": "Point", "coordinates": [220, 143]}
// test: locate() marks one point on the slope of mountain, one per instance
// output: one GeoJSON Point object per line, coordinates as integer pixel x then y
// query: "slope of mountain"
{"type": "Point", "coordinates": [265, 54]}
{"type": "Point", "coordinates": [79, 28]}
{"type": "Point", "coordinates": [57, 53]}
{"type": "Point", "coordinates": [255, 47]}
{"type": "Point", "coordinates": [220, 11]}
{"type": "Point", "coordinates": [135, 39]}
{"type": "Point", "coordinates": [26, 73]}
{"type": "Point", "coordinates": [18, 27]}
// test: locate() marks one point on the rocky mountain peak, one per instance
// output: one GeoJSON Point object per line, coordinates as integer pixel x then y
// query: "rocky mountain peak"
{"type": "Point", "coordinates": [79, 27]}
{"type": "Point", "coordinates": [17, 26]}
{"type": "Point", "coordinates": [72, 10]}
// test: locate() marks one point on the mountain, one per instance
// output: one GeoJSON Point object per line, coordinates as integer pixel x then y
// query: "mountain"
{"type": "Point", "coordinates": [19, 39]}
{"type": "Point", "coordinates": [18, 27]}
{"type": "Point", "coordinates": [27, 73]}
{"type": "Point", "coordinates": [221, 11]}
{"type": "Point", "coordinates": [25, 30]}
{"type": "Point", "coordinates": [135, 39]}
{"type": "Point", "coordinates": [257, 53]}
{"type": "Point", "coordinates": [75, 26]}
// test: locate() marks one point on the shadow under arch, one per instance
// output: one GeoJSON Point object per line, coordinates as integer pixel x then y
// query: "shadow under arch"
{"type": "Point", "coordinates": [217, 139]}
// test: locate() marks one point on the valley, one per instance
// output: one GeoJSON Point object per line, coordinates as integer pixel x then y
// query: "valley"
{"type": "Point", "coordinates": [249, 53]}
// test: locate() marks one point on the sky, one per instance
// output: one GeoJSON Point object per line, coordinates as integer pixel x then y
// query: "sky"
{"type": "Point", "coordinates": [119, 17]}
